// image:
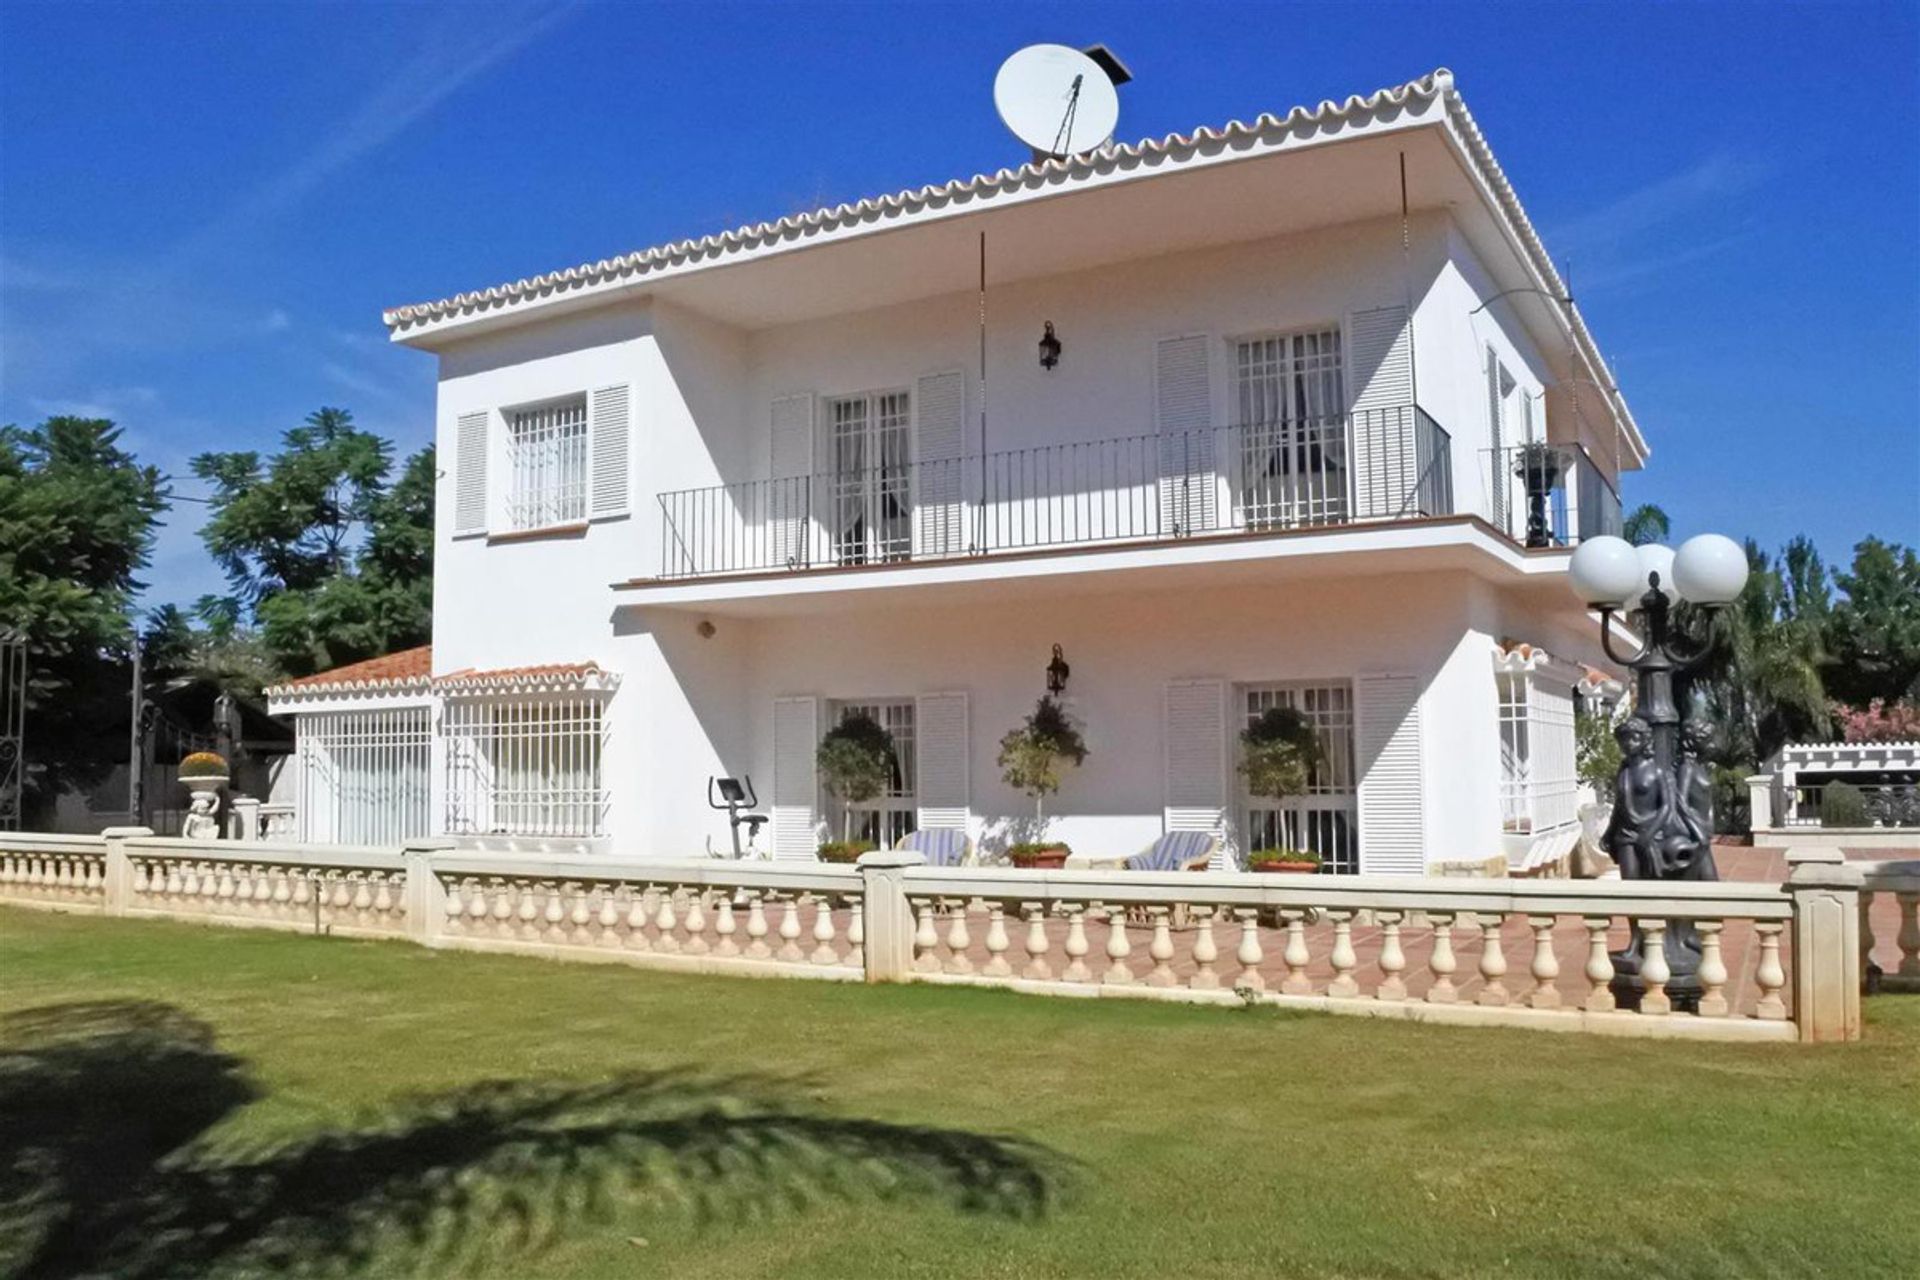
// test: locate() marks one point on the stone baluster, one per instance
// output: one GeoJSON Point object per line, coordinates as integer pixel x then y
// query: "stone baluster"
{"type": "Point", "coordinates": [553, 916]}
{"type": "Point", "coordinates": [1342, 957]}
{"type": "Point", "coordinates": [1654, 971]}
{"type": "Point", "coordinates": [224, 893]}
{"type": "Point", "coordinates": [1119, 973]}
{"type": "Point", "coordinates": [635, 937]}
{"type": "Point", "coordinates": [1599, 966]}
{"type": "Point", "coordinates": [757, 948]}
{"type": "Point", "coordinates": [1249, 953]}
{"type": "Point", "coordinates": [1393, 959]}
{"type": "Point", "coordinates": [1076, 944]}
{"type": "Point", "coordinates": [608, 919]}
{"type": "Point", "coordinates": [823, 931]}
{"type": "Point", "coordinates": [176, 883]}
{"type": "Point", "coordinates": [1769, 975]}
{"type": "Point", "coordinates": [1544, 966]}
{"type": "Point", "coordinates": [526, 911]}
{"type": "Point", "coordinates": [723, 926]}
{"type": "Point", "coordinates": [1205, 952]}
{"type": "Point", "coordinates": [1161, 948]}
{"type": "Point", "coordinates": [856, 931]}
{"type": "Point", "coordinates": [666, 922]}
{"type": "Point", "coordinates": [1908, 938]}
{"type": "Point", "coordinates": [580, 917]}
{"type": "Point", "coordinates": [479, 905]}
{"type": "Point", "coordinates": [958, 938]}
{"type": "Point", "coordinates": [926, 942]}
{"type": "Point", "coordinates": [790, 929]}
{"type": "Point", "coordinates": [139, 876]}
{"type": "Point", "coordinates": [383, 898]}
{"type": "Point", "coordinates": [282, 890]}
{"type": "Point", "coordinates": [1442, 964]}
{"type": "Point", "coordinates": [502, 908]}
{"type": "Point", "coordinates": [342, 892]}
{"type": "Point", "coordinates": [243, 886]}
{"type": "Point", "coordinates": [1713, 970]}
{"type": "Point", "coordinates": [997, 965]}
{"type": "Point", "coordinates": [1037, 967]}
{"type": "Point", "coordinates": [1493, 962]}
{"type": "Point", "coordinates": [1870, 972]}
{"type": "Point", "coordinates": [1295, 955]}
{"type": "Point", "coordinates": [696, 924]}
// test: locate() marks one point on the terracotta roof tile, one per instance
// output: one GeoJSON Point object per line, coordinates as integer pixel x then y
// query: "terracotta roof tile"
{"type": "Point", "coordinates": [408, 664]}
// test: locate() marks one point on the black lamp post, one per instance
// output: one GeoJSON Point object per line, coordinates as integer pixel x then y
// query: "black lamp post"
{"type": "Point", "coordinates": [1049, 348]}
{"type": "Point", "coordinates": [1661, 826]}
{"type": "Point", "coordinates": [1057, 673]}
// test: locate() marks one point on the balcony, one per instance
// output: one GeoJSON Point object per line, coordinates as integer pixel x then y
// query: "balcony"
{"type": "Point", "coordinates": [1369, 466]}
{"type": "Point", "coordinates": [1548, 495]}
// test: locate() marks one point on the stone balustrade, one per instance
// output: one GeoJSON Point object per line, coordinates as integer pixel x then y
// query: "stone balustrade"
{"type": "Point", "coordinates": [1901, 882]}
{"type": "Point", "coordinates": [1777, 961]}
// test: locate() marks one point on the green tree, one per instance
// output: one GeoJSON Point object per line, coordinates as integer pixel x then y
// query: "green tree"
{"type": "Point", "coordinates": [77, 520]}
{"type": "Point", "coordinates": [1874, 632]}
{"type": "Point", "coordinates": [326, 561]}
{"type": "Point", "coordinates": [856, 760]}
{"type": "Point", "coordinates": [1646, 523]}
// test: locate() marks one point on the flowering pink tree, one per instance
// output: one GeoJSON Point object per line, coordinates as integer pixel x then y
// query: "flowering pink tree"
{"type": "Point", "coordinates": [1878, 722]}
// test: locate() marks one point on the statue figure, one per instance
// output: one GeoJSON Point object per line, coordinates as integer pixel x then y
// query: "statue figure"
{"type": "Point", "coordinates": [1643, 805]}
{"type": "Point", "coordinates": [1688, 848]}
{"type": "Point", "coordinates": [200, 823]}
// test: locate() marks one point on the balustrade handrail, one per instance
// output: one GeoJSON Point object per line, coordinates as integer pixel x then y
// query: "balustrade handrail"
{"type": "Point", "coordinates": [49, 842]}
{"type": "Point", "coordinates": [361, 857]}
{"type": "Point", "coordinates": [706, 872]}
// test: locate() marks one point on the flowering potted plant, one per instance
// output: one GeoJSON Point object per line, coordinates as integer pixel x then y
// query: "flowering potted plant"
{"type": "Point", "coordinates": [1031, 760]}
{"type": "Point", "coordinates": [204, 770]}
{"type": "Point", "coordinates": [1298, 861]}
{"type": "Point", "coordinates": [856, 761]}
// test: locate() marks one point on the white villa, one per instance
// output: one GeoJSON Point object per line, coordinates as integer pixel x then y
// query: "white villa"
{"type": "Point", "coordinates": [700, 500]}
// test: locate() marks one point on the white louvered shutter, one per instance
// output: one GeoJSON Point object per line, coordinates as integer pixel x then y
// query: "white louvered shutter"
{"type": "Point", "coordinates": [470, 473]}
{"type": "Point", "coordinates": [1392, 787]}
{"type": "Point", "coordinates": [789, 503]}
{"type": "Point", "coordinates": [796, 782]}
{"type": "Point", "coordinates": [1380, 356]}
{"type": "Point", "coordinates": [941, 783]}
{"type": "Point", "coordinates": [940, 446]}
{"type": "Point", "coordinates": [1183, 415]}
{"type": "Point", "coordinates": [611, 425]}
{"type": "Point", "coordinates": [1195, 733]}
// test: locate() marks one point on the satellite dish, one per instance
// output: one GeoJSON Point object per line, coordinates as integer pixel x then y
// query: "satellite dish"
{"type": "Point", "coordinates": [1057, 100]}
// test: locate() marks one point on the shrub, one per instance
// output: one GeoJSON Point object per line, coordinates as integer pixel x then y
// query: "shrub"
{"type": "Point", "coordinates": [1278, 753]}
{"type": "Point", "coordinates": [203, 764]}
{"type": "Point", "coordinates": [1031, 756]}
{"type": "Point", "coordinates": [856, 762]}
{"type": "Point", "coordinates": [844, 850]}
{"type": "Point", "coordinates": [1842, 805]}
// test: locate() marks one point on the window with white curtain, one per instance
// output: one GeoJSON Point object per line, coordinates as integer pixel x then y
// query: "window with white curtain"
{"type": "Point", "coordinates": [1289, 395]}
{"type": "Point", "coordinates": [870, 437]}
{"type": "Point", "coordinates": [895, 812]}
{"type": "Point", "coordinates": [1539, 779]}
{"type": "Point", "coordinates": [1325, 817]}
{"type": "Point", "coordinates": [363, 775]}
{"type": "Point", "coordinates": [547, 459]}
{"type": "Point", "coordinates": [528, 766]}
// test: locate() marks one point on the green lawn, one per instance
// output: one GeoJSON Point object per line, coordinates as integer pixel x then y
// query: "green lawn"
{"type": "Point", "coordinates": [177, 1100]}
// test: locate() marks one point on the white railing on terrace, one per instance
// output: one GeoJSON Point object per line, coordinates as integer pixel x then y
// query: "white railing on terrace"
{"type": "Point", "coordinates": [1901, 882]}
{"type": "Point", "coordinates": [1778, 961]}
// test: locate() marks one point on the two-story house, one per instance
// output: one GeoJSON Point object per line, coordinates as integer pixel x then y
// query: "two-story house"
{"type": "Point", "coordinates": [1291, 412]}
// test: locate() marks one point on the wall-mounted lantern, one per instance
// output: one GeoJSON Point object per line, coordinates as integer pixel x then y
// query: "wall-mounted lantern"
{"type": "Point", "coordinates": [1057, 672]}
{"type": "Point", "coordinates": [1049, 348]}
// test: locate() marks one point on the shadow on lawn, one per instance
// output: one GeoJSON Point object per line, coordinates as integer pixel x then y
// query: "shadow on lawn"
{"type": "Point", "coordinates": [106, 1166]}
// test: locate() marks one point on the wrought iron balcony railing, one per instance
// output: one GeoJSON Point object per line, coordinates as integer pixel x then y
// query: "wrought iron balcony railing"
{"type": "Point", "coordinates": [1548, 495]}
{"type": "Point", "coordinates": [1371, 465]}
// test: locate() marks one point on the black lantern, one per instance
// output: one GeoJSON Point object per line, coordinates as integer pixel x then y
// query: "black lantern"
{"type": "Point", "coordinates": [1057, 672]}
{"type": "Point", "coordinates": [1049, 348]}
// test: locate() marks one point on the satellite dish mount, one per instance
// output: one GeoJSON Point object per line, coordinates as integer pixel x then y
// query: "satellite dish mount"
{"type": "Point", "coordinates": [1060, 101]}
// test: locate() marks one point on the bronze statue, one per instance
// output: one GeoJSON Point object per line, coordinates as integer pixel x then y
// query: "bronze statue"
{"type": "Point", "coordinates": [1689, 843]}
{"type": "Point", "coordinates": [1643, 804]}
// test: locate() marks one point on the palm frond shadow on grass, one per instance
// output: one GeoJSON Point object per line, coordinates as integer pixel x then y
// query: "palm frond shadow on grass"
{"type": "Point", "coordinates": [106, 1166]}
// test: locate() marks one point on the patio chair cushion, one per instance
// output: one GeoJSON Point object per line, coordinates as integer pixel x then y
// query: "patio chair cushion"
{"type": "Point", "coordinates": [1172, 851]}
{"type": "Point", "coordinates": [941, 847]}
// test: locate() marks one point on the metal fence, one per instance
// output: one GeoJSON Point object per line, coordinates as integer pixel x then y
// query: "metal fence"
{"type": "Point", "coordinates": [1380, 464]}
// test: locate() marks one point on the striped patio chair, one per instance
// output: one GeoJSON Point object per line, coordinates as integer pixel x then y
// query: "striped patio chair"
{"type": "Point", "coordinates": [940, 846]}
{"type": "Point", "coordinates": [1174, 851]}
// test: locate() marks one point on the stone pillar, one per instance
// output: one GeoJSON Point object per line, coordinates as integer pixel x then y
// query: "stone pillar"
{"type": "Point", "coordinates": [1760, 800]}
{"type": "Point", "coordinates": [889, 918]}
{"type": "Point", "coordinates": [426, 897]}
{"type": "Point", "coordinates": [118, 888]}
{"type": "Point", "coordinates": [1826, 944]}
{"type": "Point", "coordinates": [245, 818]}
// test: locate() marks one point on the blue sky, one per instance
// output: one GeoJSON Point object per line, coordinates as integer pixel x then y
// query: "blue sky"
{"type": "Point", "coordinates": [203, 208]}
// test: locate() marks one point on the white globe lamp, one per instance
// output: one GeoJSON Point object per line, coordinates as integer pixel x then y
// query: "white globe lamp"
{"type": "Point", "coordinates": [1605, 570]}
{"type": "Point", "coordinates": [1710, 569]}
{"type": "Point", "coordinates": [1654, 558]}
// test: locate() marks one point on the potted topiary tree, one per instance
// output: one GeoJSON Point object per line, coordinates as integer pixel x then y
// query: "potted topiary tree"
{"type": "Point", "coordinates": [204, 774]}
{"type": "Point", "coordinates": [1539, 467]}
{"type": "Point", "coordinates": [1031, 758]}
{"type": "Point", "coordinates": [856, 761]}
{"type": "Point", "coordinates": [1278, 753]}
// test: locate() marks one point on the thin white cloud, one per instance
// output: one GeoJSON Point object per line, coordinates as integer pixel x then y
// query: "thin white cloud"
{"type": "Point", "coordinates": [276, 321]}
{"type": "Point", "coordinates": [1718, 177]}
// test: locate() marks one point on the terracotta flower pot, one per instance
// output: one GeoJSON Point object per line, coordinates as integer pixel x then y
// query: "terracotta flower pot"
{"type": "Point", "coordinates": [1286, 868]}
{"type": "Point", "coordinates": [1041, 860]}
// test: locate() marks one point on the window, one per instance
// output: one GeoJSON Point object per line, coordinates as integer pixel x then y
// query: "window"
{"type": "Point", "coordinates": [1539, 782]}
{"type": "Point", "coordinates": [894, 813]}
{"type": "Point", "coordinates": [871, 439]}
{"type": "Point", "coordinates": [547, 457]}
{"type": "Point", "coordinates": [525, 768]}
{"type": "Point", "coordinates": [1290, 396]}
{"type": "Point", "coordinates": [1325, 819]}
{"type": "Point", "coordinates": [363, 775]}
{"type": "Point", "coordinates": [1501, 389]}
